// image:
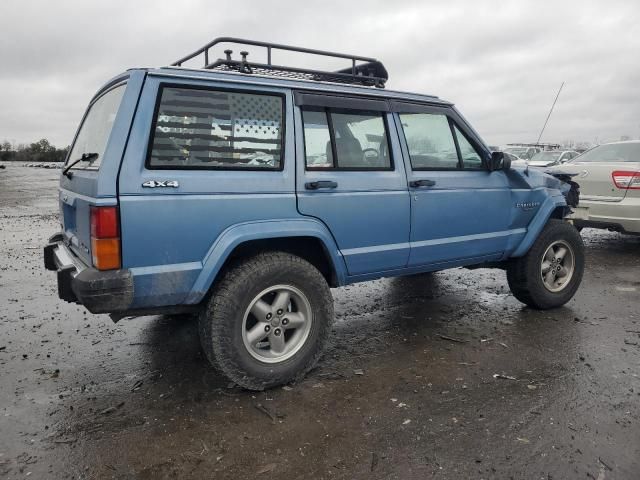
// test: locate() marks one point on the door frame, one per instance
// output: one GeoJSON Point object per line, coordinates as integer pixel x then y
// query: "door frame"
{"type": "Point", "coordinates": [466, 179]}
{"type": "Point", "coordinates": [362, 258]}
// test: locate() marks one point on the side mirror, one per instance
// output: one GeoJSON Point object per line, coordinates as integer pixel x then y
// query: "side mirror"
{"type": "Point", "coordinates": [506, 162]}
{"type": "Point", "coordinates": [499, 161]}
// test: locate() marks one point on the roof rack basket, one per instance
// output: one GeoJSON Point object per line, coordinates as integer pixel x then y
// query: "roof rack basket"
{"type": "Point", "coordinates": [362, 70]}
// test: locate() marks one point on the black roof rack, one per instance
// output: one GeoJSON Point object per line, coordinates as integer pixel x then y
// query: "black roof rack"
{"type": "Point", "coordinates": [362, 71]}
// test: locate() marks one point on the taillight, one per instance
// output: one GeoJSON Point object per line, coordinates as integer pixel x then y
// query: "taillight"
{"type": "Point", "coordinates": [626, 179]}
{"type": "Point", "coordinates": [105, 238]}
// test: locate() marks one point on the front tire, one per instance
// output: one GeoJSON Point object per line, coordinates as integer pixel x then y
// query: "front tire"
{"type": "Point", "coordinates": [267, 321]}
{"type": "Point", "coordinates": [549, 275]}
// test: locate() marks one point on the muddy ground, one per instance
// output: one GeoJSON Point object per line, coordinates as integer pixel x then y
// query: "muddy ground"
{"type": "Point", "coordinates": [406, 391]}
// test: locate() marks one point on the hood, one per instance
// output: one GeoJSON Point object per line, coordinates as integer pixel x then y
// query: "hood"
{"type": "Point", "coordinates": [541, 163]}
{"type": "Point", "coordinates": [555, 180]}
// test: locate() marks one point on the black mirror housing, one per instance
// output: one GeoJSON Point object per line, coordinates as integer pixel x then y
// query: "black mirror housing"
{"type": "Point", "coordinates": [499, 161]}
{"type": "Point", "coordinates": [506, 162]}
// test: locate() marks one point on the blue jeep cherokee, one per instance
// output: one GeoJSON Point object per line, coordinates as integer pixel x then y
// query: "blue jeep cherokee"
{"type": "Point", "coordinates": [244, 190]}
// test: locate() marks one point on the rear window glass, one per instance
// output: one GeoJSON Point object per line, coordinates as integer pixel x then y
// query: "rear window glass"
{"type": "Point", "coordinates": [357, 139]}
{"type": "Point", "coordinates": [197, 128]}
{"type": "Point", "coordinates": [317, 140]}
{"type": "Point", "coordinates": [613, 152]}
{"type": "Point", "coordinates": [96, 127]}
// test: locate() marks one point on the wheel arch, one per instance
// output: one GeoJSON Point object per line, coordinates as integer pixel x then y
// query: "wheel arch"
{"type": "Point", "coordinates": [552, 207]}
{"type": "Point", "coordinates": [306, 238]}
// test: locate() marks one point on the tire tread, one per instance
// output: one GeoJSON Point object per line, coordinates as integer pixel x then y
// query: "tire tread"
{"type": "Point", "coordinates": [216, 337]}
{"type": "Point", "coordinates": [522, 272]}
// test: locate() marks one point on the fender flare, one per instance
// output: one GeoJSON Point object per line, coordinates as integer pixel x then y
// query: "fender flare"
{"type": "Point", "coordinates": [537, 224]}
{"type": "Point", "coordinates": [236, 234]}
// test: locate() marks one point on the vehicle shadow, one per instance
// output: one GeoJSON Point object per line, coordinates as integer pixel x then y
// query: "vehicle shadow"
{"type": "Point", "coordinates": [379, 314]}
{"type": "Point", "coordinates": [177, 365]}
{"type": "Point", "coordinates": [612, 242]}
{"type": "Point", "coordinates": [168, 376]}
{"type": "Point", "coordinates": [172, 346]}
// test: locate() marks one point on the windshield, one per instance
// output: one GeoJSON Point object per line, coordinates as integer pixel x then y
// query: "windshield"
{"type": "Point", "coordinates": [518, 152]}
{"type": "Point", "coordinates": [96, 127]}
{"type": "Point", "coordinates": [612, 152]}
{"type": "Point", "coordinates": [546, 157]}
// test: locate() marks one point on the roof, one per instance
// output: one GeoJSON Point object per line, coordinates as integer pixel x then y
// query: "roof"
{"type": "Point", "coordinates": [300, 84]}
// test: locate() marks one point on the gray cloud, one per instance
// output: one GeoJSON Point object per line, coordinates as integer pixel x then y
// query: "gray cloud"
{"type": "Point", "coordinates": [500, 62]}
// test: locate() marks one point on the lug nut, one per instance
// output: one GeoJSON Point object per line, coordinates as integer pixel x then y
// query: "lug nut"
{"type": "Point", "coordinates": [285, 321]}
{"type": "Point", "coordinates": [279, 312]}
{"type": "Point", "coordinates": [269, 315]}
{"type": "Point", "coordinates": [267, 328]}
{"type": "Point", "coordinates": [277, 331]}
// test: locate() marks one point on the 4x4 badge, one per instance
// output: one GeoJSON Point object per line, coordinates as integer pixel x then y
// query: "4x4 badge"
{"type": "Point", "coordinates": [161, 183]}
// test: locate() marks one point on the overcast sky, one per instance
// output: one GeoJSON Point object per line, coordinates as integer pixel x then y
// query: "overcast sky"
{"type": "Point", "coordinates": [500, 62]}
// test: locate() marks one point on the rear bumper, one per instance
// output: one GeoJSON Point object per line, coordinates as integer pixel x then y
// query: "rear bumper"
{"type": "Point", "coordinates": [622, 216]}
{"type": "Point", "coordinates": [109, 291]}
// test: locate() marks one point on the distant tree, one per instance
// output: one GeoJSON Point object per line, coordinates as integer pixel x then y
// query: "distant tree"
{"type": "Point", "coordinates": [42, 146]}
{"type": "Point", "coordinates": [40, 151]}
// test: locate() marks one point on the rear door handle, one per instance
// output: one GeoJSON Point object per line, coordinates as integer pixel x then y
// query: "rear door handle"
{"type": "Point", "coordinates": [422, 183]}
{"type": "Point", "coordinates": [320, 184]}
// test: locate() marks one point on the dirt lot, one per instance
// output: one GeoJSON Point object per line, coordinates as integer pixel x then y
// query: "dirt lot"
{"type": "Point", "coordinates": [406, 391]}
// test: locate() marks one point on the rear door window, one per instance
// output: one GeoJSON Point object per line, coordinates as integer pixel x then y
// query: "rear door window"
{"type": "Point", "coordinates": [345, 140]}
{"type": "Point", "coordinates": [96, 128]}
{"type": "Point", "coordinates": [216, 129]}
{"type": "Point", "coordinates": [317, 140]}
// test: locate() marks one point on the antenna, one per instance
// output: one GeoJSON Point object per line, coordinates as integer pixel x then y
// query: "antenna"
{"type": "Point", "coordinates": [550, 111]}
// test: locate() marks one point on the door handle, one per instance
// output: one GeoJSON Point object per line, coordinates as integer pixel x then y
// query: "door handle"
{"type": "Point", "coordinates": [320, 184]}
{"type": "Point", "coordinates": [422, 183]}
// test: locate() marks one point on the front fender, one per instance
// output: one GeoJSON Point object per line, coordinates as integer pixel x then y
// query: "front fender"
{"type": "Point", "coordinates": [538, 223]}
{"type": "Point", "coordinates": [243, 232]}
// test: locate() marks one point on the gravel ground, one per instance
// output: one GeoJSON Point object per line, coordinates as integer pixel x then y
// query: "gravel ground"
{"type": "Point", "coordinates": [407, 390]}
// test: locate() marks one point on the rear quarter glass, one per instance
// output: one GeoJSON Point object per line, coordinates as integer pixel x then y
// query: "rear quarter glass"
{"type": "Point", "coordinates": [213, 128]}
{"type": "Point", "coordinates": [96, 128]}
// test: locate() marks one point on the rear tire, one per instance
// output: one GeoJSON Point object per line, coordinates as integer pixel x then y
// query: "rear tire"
{"type": "Point", "coordinates": [267, 321]}
{"type": "Point", "coordinates": [549, 275]}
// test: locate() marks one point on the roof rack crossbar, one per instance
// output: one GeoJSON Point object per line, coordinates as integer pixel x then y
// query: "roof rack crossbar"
{"type": "Point", "coordinates": [369, 72]}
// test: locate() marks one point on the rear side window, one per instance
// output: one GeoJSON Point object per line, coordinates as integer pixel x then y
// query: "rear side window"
{"type": "Point", "coordinates": [430, 141]}
{"type": "Point", "coordinates": [96, 127]}
{"type": "Point", "coordinates": [217, 129]}
{"type": "Point", "coordinates": [345, 140]}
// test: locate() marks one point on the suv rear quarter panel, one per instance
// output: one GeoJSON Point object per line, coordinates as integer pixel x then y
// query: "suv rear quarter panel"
{"type": "Point", "coordinates": [169, 235]}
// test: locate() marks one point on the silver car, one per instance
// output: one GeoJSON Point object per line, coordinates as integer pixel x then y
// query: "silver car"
{"type": "Point", "coordinates": [551, 158]}
{"type": "Point", "coordinates": [522, 152]}
{"type": "Point", "coordinates": [609, 179]}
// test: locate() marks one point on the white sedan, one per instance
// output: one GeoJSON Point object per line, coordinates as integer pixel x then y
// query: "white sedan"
{"type": "Point", "coordinates": [609, 179]}
{"type": "Point", "coordinates": [551, 158]}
